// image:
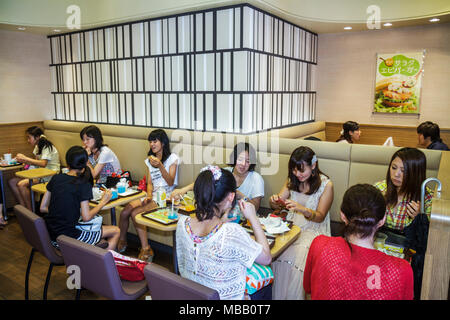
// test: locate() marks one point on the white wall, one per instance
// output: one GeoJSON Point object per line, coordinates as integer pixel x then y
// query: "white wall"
{"type": "Point", "coordinates": [346, 73]}
{"type": "Point", "coordinates": [24, 77]}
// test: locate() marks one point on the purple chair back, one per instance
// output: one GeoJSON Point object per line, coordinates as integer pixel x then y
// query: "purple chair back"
{"type": "Point", "coordinates": [165, 285]}
{"type": "Point", "coordinates": [98, 270]}
{"type": "Point", "coordinates": [36, 233]}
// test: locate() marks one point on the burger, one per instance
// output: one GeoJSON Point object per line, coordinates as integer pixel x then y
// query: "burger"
{"type": "Point", "coordinates": [393, 93]}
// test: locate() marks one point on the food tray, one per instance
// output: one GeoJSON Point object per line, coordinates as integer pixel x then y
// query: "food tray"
{"type": "Point", "coordinates": [160, 215]}
{"type": "Point", "coordinates": [128, 193]}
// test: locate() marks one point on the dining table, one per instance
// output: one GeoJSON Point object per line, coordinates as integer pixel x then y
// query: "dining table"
{"type": "Point", "coordinates": [281, 241]}
{"type": "Point", "coordinates": [120, 201]}
{"type": "Point", "coordinates": [3, 169]}
{"type": "Point", "coordinates": [32, 174]}
{"type": "Point", "coordinates": [41, 188]}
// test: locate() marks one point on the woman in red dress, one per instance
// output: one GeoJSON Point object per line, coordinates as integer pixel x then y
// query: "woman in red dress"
{"type": "Point", "coordinates": [350, 268]}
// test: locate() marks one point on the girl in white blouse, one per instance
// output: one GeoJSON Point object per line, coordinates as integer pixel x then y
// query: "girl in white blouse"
{"type": "Point", "coordinates": [46, 156]}
{"type": "Point", "coordinates": [213, 251]}
{"type": "Point", "coordinates": [162, 171]}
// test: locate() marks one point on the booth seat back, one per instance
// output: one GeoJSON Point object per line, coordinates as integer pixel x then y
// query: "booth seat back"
{"type": "Point", "coordinates": [333, 160]}
{"type": "Point", "coordinates": [315, 129]}
{"type": "Point", "coordinates": [345, 164]}
{"type": "Point", "coordinates": [369, 164]}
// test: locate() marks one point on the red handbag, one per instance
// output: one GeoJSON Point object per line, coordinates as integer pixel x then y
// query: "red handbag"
{"type": "Point", "coordinates": [129, 269]}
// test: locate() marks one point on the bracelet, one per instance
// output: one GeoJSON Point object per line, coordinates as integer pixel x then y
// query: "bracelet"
{"type": "Point", "coordinates": [313, 215]}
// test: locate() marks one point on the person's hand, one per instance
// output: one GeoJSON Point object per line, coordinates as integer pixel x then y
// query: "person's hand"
{"type": "Point", "coordinates": [20, 157]}
{"type": "Point", "coordinates": [413, 209]}
{"type": "Point", "coordinates": [177, 194]}
{"type": "Point", "coordinates": [247, 209]}
{"type": "Point", "coordinates": [147, 200]}
{"type": "Point", "coordinates": [107, 195]}
{"type": "Point", "coordinates": [88, 150]}
{"type": "Point", "coordinates": [155, 162]}
{"type": "Point", "coordinates": [291, 205]}
{"type": "Point", "coordinates": [276, 202]}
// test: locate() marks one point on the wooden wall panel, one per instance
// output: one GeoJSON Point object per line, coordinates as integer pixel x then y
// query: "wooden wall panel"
{"type": "Point", "coordinates": [403, 136]}
{"type": "Point", "coordinates": [14, 141]}
{"type": "Point", "coordinates": [14, 137]}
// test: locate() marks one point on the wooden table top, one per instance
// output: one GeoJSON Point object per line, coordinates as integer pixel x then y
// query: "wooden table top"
{"type": "Point", "coordinates": [120, 201]}
{"type": "Point", "coordinates": [35, 173]}
{"type": "Point", "coordinates": [42, 188]}
{"type": "Point", "coordinates": [12, 167]}
{"type": "Point", "coordinates": [282, 241]}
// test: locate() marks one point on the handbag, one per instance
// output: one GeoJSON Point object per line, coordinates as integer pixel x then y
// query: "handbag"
{"type": "Point", "coordinates": [258, 277]}
{"type": "Point", "coordinates": [129, 269]}
{"type": "Point", "coordinates": [95, 224]}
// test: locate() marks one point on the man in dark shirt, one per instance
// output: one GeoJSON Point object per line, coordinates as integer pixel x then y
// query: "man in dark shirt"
{"type": "Point", "coordinates": [429, 136]}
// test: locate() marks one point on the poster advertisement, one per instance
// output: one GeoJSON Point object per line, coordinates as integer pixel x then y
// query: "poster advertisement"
{"type": "Point", "coordinates": [399, 82]}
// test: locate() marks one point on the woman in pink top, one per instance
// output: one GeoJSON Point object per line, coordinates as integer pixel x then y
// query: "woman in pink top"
{"type": "Point", "coordinates": [351, 268]}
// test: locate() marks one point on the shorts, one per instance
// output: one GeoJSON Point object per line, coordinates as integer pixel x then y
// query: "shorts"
{"type": "Point", "coordinates": [89, 237]}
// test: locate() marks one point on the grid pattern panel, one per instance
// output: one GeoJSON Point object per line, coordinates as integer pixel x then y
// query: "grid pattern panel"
{"type": "Point", "coordinates": [232, 69]}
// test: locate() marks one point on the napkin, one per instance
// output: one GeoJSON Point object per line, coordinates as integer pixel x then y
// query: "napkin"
{"type": "Point", "coordinates": [274, 225]}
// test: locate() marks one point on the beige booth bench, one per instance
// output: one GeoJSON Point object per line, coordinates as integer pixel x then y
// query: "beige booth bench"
{"type": "Point", "coordinates": [345, 164]}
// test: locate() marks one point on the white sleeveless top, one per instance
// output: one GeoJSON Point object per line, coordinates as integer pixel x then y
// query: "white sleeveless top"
{"type": "Point", "coordinates": [311, 202]}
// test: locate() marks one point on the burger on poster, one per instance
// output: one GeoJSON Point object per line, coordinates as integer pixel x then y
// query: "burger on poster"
{"type": "Point", "coordinates": [396, 94]}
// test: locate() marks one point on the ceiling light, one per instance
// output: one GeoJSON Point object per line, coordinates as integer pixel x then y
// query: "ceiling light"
{"type": "Point", "coordinates": [347, 28]}
{"type": "Point", "coordinates": [56, 30]}
{"type": "Point", "coordinates": [387, 24]}
{"type": "Point", "coordinates": [21, 28]}
{"type": "Point", "coordinates": [435, 20]}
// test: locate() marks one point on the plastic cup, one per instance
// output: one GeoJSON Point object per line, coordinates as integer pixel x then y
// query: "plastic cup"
{"type": "Point", "coordinates": [8, 157]}
{"type": "Point", "coordinates": [380, 240]}
{"type": "Point", "coordinates": [114, 194]}
{"type": "Point", "coordinates": [121, 189]}
{"type": "Point", "coordinates": [173, 213]}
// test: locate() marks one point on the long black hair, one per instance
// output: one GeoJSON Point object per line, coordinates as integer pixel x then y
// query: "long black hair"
{"type": "Point", "coordinates": [93, 132]}
{"type": "Point", "coordinates": [346, 128]}
{"type": "Point", "coordinates": [43, 142]}
{"type": "Point", "coordinates": [415, 166]}
{"type": "Point", "coordinates": [76, 158]}
{"type": "Point", "coordinates": [160, 135]}
{"type": "Point", "coordinates": [209, 192]}
{"type": "Point", "coordinates": [299, 157]}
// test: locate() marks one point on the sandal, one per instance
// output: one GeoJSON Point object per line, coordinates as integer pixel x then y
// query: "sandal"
{"type": "Point", "coordinates": [146, 254]}
{"type": "Point", "coordinates": [122, 246]}
{"type": "Point", "coordinates": [3, 222]}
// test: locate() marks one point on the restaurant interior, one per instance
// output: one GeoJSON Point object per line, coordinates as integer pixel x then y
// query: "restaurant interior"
{"type": "Point", "coordinates": [276, 74]}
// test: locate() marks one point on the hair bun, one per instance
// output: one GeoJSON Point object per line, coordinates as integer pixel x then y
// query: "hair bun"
{"type": "Point", "coordinates": [365, 218]}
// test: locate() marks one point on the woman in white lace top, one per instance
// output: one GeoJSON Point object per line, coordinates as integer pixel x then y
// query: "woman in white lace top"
{"type": "Point", "coordinates": [212, 251]}
{"type": "Point", "coordinates": [308, 195]}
